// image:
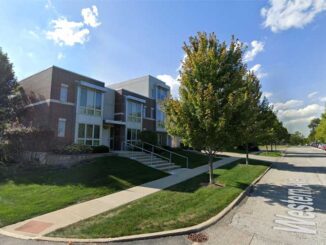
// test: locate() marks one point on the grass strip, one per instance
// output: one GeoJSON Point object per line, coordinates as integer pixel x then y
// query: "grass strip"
{"type": "Point", "coordinates": [185, 204]}
{"type": "Point", "coordinates": [34, 190]}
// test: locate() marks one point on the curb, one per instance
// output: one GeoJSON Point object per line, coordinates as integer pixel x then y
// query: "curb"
{"type": "Point", "coordinates": [181, 231]}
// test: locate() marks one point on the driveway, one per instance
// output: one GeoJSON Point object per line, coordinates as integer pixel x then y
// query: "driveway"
{"type": "Point", "coordinates": [288, 206]}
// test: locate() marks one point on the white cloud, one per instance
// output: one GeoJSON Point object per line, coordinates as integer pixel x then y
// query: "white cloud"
{"type": "Point", "coordinates": [300, 125]}
{"type": "Point", "coordinates": [90, 16]}
{"type": "Point", "coordinates": [69, 33]}
{"type": "Point", "coordinates": [60, 56]}
{"type": "Point", "coordinates": [285, 14]}
{"type": "Point", "coordinates": [172, 82]}
{"type": "Point", "coordinates": [258, 71]}
{"type": "Point", "coordinates": [256, 48]}
{"type": "Point", "coordinates": [323, 99]}
{"type": "Point", "coordinates": [290, 104]}
{"type": "Point", "coordinates": [267, 94]}
{"type": "Point", "coordinates": [312, 94]}
{"type": "Point", "coordinates": [299, 118]}
{"type": "Point", "coordinates": [307, 111]}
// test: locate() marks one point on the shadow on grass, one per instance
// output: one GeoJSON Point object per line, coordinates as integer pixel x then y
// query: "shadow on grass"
{"type": "Point", "coordinates": [113, 172]}
{"type": "Point", "coordinates": [200, 181]}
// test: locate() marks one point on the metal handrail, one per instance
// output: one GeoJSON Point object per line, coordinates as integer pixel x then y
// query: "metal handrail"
{"type": "Point", "coordinates": [152, 153]}
{"type": "Point", "coordinates": [171, 152]}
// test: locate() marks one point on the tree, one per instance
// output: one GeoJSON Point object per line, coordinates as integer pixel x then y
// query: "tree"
{"type": "Point", "coordinates": [321, 129]}
{"type": "Point", "coordinates": [10, 98]}
{"type": "Point", "coordinates": [297, 138]}
{"type": "Point", "coordinates": [313, 125]}
{"type": "Point", "coordinates": [211, 83]}
{"type": "Point", "coordinates": [247, 117]}
{"type": "Point", "coordinates": [270, 130]}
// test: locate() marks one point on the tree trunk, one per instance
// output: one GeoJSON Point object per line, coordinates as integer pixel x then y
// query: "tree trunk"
{"type": "Point", "coordinates": [247, 154]}
{"type": "Point", "coordinates": [271, 146]}
{"type": "Point", "coordinates": [266, 147]}
{"type": "Point", "coordinates": [210, 164]}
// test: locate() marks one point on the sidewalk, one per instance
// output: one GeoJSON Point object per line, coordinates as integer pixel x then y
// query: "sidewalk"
{"type": "Point", "coordinates": [41, 225]}
{"type": "Point", "coordinates": [251, 156]}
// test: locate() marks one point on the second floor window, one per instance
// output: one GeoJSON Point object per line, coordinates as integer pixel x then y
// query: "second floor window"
{"type": "Point", "coordinates": [90, 102]}
{"type": "Point", "coordinates": [64, 93]}
{"type": "Point", "coordinates": [160, 119]}
{"type": "Point", "coordinates": [162, 93]}
{"type": "Point", "coordinates": [134, 111]}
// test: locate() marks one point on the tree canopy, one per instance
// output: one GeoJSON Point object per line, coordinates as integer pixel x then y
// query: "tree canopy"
{"type": "Point", "coordinates": [320, 134]}
{"type": "Point", "coordinates": [220, 99]}
{"type": "Point", "coordinates": [10, 99]}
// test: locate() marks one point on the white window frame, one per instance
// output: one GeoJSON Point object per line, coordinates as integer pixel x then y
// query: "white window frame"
{"type": "Point", "coordinates": [132, 116]}
{"type": "Point", "coordinates": [85, 138]}
{"type": "Point", "coordinates": [91, 109]}
{"type": "Point", "coordinates": [64, 92]}
{"type": "Point", "coordinates": [62, 132]}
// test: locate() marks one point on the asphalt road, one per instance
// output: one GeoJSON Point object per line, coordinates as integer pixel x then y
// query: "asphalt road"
{"type": "Point", "coordinates": [288, 206]}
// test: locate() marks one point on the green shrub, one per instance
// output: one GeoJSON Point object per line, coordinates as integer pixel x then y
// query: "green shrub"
{"type": "Point", "coordinates": [101, 149]}
{"type": "Point", "coordinates": [75, 149]}
{"type": "Point", "coordinates": [149, 137]}
{"type": "Point", "coordinates": [18, 138]}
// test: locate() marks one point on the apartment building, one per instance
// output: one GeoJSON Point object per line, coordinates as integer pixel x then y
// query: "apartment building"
{"type": "Point", "coordinates": [79, 109]}
{"type": "Point", "coordinates": [155, 89]}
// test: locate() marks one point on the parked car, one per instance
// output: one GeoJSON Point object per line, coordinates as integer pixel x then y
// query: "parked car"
{"type": "Point", "coordinates": [322, 146]}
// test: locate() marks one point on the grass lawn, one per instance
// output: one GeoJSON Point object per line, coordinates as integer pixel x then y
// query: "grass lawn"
{"type": "Point", "coordinates": [195, 159]}
{"type": "Point", "coordinates": [29, 192]}
{"type": "Point", "coordinates": [185, 204]}
{"type": "Point", "coordinates": [270, 153]}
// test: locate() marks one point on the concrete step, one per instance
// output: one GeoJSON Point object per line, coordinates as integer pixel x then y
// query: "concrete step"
{"type": "Point", "coordinates": [148, 160]}
{"type": "Point", "coordinates": [169, 168]}
{"type": "Point", "coordinates": [162, 165]}
{"type": "Point", "coordinates": [151, 160]}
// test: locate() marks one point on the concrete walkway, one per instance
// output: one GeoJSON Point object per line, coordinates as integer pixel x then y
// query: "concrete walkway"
{"type": "Point", "coordinates": [41, 225]}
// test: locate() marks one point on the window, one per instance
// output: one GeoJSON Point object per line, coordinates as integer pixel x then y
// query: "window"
{"type": "Point", "coordinates": [90, 102]}
{"type": "Point", "coordinates": [161, 93]}
{"type": "Point", "coordinates": [61, 127]}
{"type": "Point", "coordinates": [144, 111]}
{"type": "Point", "coordinates": [161, 139]}
{"type": "Point", "coordinates": [133, 111]}
{"type": "Point", "coordinates": [133, 134]}
{"type": "Point", "coordinates": [160, 119]}
{"type": "Point", "coordinates": [89, 134]}
{"type": "Point", "coordinates": [64, 92]}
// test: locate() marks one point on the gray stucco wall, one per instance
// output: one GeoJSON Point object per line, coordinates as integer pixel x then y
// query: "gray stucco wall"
{"type": "Point", "coordinates": [138, 85]}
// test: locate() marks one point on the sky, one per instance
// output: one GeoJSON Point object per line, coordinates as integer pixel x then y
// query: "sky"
{"type": "Point", "coordinates": [114, 41]}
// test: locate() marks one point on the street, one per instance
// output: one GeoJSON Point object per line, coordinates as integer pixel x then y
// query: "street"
{"type": "Point", "coordinates": [288, 206]}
